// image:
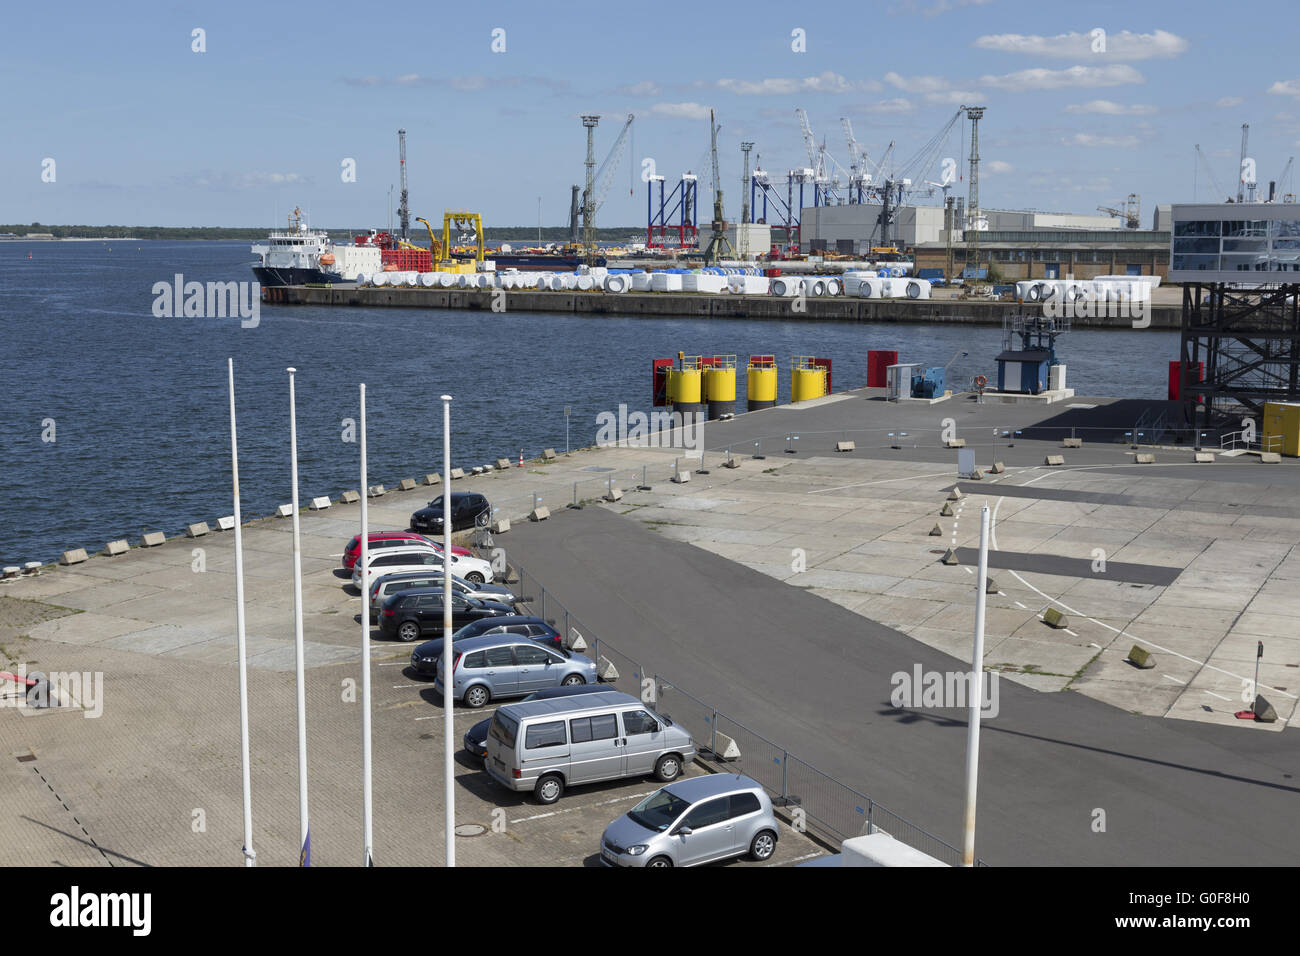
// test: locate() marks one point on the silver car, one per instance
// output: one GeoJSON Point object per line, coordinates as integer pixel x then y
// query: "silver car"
{"type": "Point", "coordinates": [694, 821]}
{"type": "Point", "coordinates": [506, 665]}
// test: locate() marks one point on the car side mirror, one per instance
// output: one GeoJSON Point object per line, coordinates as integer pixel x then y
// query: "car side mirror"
{"type": "Point", "coordinates": [683, 831]}
{"type": "Point", "coordinates": [654, 727]}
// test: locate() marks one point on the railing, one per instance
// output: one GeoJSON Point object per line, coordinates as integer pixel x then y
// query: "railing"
{"type": "Point", "coordinates": [814, 801]}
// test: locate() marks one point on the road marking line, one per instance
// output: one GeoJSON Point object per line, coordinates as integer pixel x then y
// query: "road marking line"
{"type": "Point", "coordinates": [401, 686]}
{"type": "Point", "coordinates": [1019, 605]}
{"type": "Point", "coordinates": [603, 803]}
{"type": "Point", "coordinates": [1220, 696]}
{"type": "Point", "coordinates": [1174, 679]}
{"type": "Point", "coordinates": [968, 570]}
{"type": "Point", "coordinates": [806, 856]}
{"type": "Point", "coordinates": [1070, 632]}
{"type": "Point", "coordinates": [993, 542]}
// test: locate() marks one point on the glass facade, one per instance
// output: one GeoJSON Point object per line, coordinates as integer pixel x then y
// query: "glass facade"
{"type": "Point", "coordinates": [1236, 245]}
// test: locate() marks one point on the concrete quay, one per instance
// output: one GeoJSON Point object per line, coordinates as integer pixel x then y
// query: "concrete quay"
{"type": "Point", "coordinates": [785, 591]}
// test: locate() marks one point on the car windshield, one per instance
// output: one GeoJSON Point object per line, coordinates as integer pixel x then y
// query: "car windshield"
{"type": "Point", "coordinates": [658, 811]}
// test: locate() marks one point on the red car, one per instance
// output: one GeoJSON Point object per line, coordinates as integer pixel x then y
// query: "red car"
{"type": "Point", "coordinates": [392, 539]}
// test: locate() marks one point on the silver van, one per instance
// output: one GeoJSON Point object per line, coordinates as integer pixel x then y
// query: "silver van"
{"type": "Point", "coordinates": [548, 745]}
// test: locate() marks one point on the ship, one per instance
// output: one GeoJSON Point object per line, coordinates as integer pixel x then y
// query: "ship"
{"type": "Point", "coordinates": [300, 255]}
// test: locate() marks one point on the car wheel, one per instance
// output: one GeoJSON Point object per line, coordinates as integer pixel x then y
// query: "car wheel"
{"type": "Point", "coordinates": [763, 845]}
{"type": "Point", "coordinates": [668, 767]}
{"type": "Point", "coordinates": [477, 696]}
{"type": "Point", "coordinates": [573, 679]}
{"type": "Point", "coordinates": [549, 788]}
{"type": "Point", "coordinates": [660, 861]}
{"type": "Point", "coordinates": [409, 631]}
{"type": "Point", "coordinates": [475, 577]}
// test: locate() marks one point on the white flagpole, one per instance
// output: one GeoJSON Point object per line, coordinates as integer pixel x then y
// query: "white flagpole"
{"type": "Point", "coordinates": [304, 826]}
{"type": "Point", "coordinates": [448, 682]}
{"type": "Point", "coordinates": [250, 857]}
{"type": "Point", "coordinates": [975, 694]}
{"type": "Point", "coordinates": [364, 558]}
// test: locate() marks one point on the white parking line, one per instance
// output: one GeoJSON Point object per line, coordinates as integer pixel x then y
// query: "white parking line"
{"type": "Point", "coordinates": [1070, 632]}
{"type": "Point", "coordinates": [797, 859]}
{"type": "Point", "coordinates": [1220, 696]}
{"type": "Point", "coordinates": [1021, 606]}
{"type": "Point", "coordinates": [603, 803]}
{"type": "Point", "coordinates": [1174, 679]}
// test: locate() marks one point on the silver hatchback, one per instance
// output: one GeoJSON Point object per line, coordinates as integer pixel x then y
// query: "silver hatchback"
{"type": "Point", "coordinates": [694, 821]}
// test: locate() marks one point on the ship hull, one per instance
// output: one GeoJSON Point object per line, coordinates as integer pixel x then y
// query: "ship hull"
{"type": "Point", "coordinates": [272, 277]}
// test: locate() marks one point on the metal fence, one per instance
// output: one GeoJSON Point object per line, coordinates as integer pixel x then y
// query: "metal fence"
{"type": "Point", "coordinates": [817, 802]}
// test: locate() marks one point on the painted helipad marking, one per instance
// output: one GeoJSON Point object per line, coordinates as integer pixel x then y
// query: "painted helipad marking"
{"type": "Point", "coordinates": [993, 543]}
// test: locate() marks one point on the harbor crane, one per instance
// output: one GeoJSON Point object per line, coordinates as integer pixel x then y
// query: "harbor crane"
{"type": "Point", "coordinates": [1131, 213]}
{"type": "Point", "coordinates": [599, 181]}
{"type": "Point", "coordinates": [718, 245]}
{"type": "Point", "coordinates": [403, 209]}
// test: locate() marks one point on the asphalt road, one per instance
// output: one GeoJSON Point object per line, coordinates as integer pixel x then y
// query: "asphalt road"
{"type": "Point", "coordinates": [815, 678]}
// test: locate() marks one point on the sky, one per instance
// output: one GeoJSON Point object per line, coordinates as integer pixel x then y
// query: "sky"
{"type": "Point", "coordinates": [230, 114]}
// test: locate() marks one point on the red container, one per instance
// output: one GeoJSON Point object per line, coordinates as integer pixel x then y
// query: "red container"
{"type": "Point", "coordinates": [772, 273]}
{"type": "Point", "coordinates": [877, 361]}
{"type": "Point", "coordinates": [1176, 377]}
{"type": "Point", "coordinates": [407, 260]}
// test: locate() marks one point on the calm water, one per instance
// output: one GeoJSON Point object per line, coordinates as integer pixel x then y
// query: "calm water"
{"type": "Point", "coordinates": [140, 410]}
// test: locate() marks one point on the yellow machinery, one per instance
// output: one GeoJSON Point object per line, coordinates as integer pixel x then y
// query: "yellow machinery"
{"type": "Point", "coordinates": [435, 247]}
{"type": "Point", "coordinates": [1281, 428]}
{"type": "Point", "coordinates": [760, 380]}
{"type": "Point", "coordinates": [462, 220]}
{"type": "Point", "coordinates": [807, 380]}
{"type": "Point", "coordinates": [686, 384]}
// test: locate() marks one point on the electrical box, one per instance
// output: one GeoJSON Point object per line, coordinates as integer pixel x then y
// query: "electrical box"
{"type": "Point", "coordinates": [898, 380]}
{"type": "Point", "coordinates": [1281, 428]}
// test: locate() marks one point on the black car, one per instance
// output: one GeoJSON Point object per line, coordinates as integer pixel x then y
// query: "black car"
{"type": "Point", "coordinates": [408, 614]}
{"type": "Point", "coordinates": [468, 510]}
{"type": "Point", "coordinates": [476, 736]}
{"type": "Point", "coordinates": [425, 657]}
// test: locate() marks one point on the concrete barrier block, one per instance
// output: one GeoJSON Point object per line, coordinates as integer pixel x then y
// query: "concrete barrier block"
{"type": "Point", "coordinates": [152, 539]}
{"type": "Point", "coordinates": [950, 557]}
{"type": "Point", "coordinates": [936, 531]}
{"type": "Point", "coordinates": [321, 503]}
{"type": "Point", "coordinates": [540, 513]}
{"type": "Point", "coordinates": [1264, 711]}
{"type": "Point", "coordinates": [548, 454]}
{"type": "Point", "coordinates": [31, 567]}
{"type": "Point", "coordinates": [725, 748]}
{"type": "Point", "coordinates": [1054, 460]}
{"type": "Point", "coordinates": [605, 670]}
{"type": "Point", "coordinates": [955, 495]}
{"type": "Point", "coordinates": [350, 497]}
{"type": "Point", "coordinates": [1270, 458]}
{"type": "Point", "coordinates": [998, 468]}
{"type": "Point", "coordinates": [406, 484]}
{"type": "Point", "coordinates": [12, 571]}
{"type": "Point", "coordinates": [845, 446]}
{"type": "Point", "coordinates": [284, 511]}
{"type": "Point", "coordinates": [197, 530]}
{"type": "Point", "coordinates": [432, 479]}
{"type": "Point", "coordinates": [990, 586]}
{"type": "Point", "coordinates": [1072, 443]}
{"type": "Point", "coordinates": [1145, 458]}
{"type": "Point", "coordinates": [956, 443]}
{"type": "Point", "coordinates": [501, 526]}
{"type": "Point", "coordinates": [1052, 617]}
{"type": "Point", "coordinates": [577, 642]}
{"type": "Point", "coordinates": [376, 491]}
{"type": "Point", "coordinates": [226, 523]}
{"type": "Point", "coordinates": [457, 473]}
{"type": "Point", "coordinates": [114, 548]}
{"type": "Point", "coordinates": [614, 494]}
{"type": "Point", "coordinates": [977, 474]}
{"type": "Point", "coordinates": [681, 477]}
{"type": "Point", "coordinates": [503, 464]}
{"type": "Point", "coordinates": [1204, 458]}
{"type": "Point", "coordinates": [74, 556]}
{"type": "Point", "coordinates": [1140, 657]}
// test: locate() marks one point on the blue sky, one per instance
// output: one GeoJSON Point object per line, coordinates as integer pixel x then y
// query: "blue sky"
{"type": "Point", "coordinates": [143, 130]}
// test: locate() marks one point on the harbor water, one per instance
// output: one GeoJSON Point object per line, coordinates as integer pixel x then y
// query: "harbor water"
{"type": "Point", "coordinates": [116, 420]}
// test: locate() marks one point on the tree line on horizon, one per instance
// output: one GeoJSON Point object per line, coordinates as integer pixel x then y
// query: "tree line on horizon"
{"type": "Point", "coordinates": [520, 234]}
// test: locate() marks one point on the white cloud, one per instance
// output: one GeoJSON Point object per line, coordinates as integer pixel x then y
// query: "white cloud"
{"type": "Point", "coordinates": [957, 97]}
{"type": "Point", "coordinates": [917, 84]}
{"type": "Point", "coordinates": [691, 111]}
{"type": "Point", "coordinates": [1107, 108]}
{"type": "Point", "coordinates": [898, 104]}
{"type": "Point", "coordinates": [997, 166]}
{"type": "Point", "coordinates": [824, 82]}
{"type": "Point", "coordinates": [1225, 102]}
{"type": "Point", "coordinates": [1091, 140]}
{"type": "Point", "coordinates": [1075, 76]}
{"type": "Point", "coordinates": [1285, 88]}
{"type": "Point", "coordinates": [1119, 46]}
{"type": "Point", "coordinates": [644, 88]}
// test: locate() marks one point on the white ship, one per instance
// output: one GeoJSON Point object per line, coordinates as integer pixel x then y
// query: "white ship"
{"type": "Point", "coordinates": [303, 256]}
